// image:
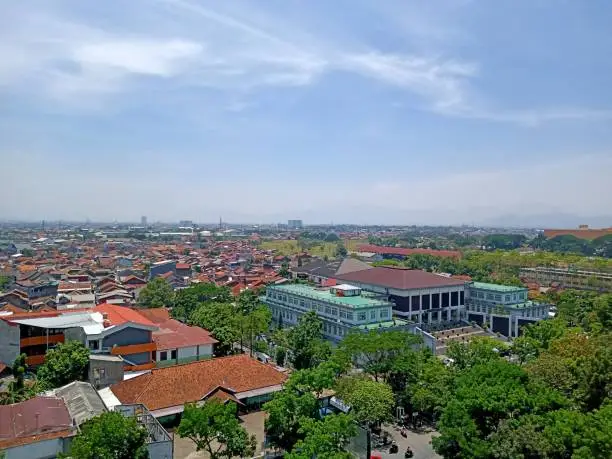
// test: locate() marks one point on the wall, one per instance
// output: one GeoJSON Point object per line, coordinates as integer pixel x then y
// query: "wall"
{"type": "Point", "coordinates": [206, 350]}
{"type": "Point", "coordinates": [9, 343]}
{"type": "Point", "coordinates": [113, 372]}
{"type": "Point", "coordinates": [127, 336]}
{"type": "Point", "coordinates": [40, 450]}
{"type": "Point", "coordinates": [138, 359]}
{"type": "Point", "coordinates": [75, 334]}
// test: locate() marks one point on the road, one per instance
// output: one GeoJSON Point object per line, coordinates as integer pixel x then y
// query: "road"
{"type": "Point", "coordinates": [419, 442]}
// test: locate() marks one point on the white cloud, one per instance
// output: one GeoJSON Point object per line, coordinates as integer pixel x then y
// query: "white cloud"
{"type": "Point", "coordinates": [238, 48]}
{"type": "Point", "coordinates": [441, 82]}
{"type": "Point", "coordinates": [144, 57]}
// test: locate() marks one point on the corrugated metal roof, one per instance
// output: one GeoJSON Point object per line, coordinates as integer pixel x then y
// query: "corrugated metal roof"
{"type": "Point", "coordinates": [82, 400]}
{"type": "Point", "coordinates": [90, 321]}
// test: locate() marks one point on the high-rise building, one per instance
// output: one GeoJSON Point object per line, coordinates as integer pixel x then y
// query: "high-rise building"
{"type": "Point", "coordinates": [295, 224]}
{"type": "Point", "coordinates": [143, 221]}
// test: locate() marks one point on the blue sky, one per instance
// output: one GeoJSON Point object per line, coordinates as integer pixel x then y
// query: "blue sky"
{"type": "Point", "coordinates": [365, 111]}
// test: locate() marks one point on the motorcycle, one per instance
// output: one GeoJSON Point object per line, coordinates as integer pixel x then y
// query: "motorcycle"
{"type": "Point", "coordinates": [408, 454]}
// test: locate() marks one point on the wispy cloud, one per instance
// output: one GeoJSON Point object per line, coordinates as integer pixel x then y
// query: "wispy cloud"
{"type": "Point", "coordinates": [225, 46]}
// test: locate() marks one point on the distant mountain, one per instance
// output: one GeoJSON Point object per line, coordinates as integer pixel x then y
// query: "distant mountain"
{"type": "Point", "coordinates": [548, 220]}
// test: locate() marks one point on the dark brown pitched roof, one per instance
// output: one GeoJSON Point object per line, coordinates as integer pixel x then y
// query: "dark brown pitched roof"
{"type": "Point", "coordinates": [401, 279]}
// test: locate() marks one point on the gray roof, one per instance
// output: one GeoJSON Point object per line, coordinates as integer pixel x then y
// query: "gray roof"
{"type": "Point", "coordinates": [82, 400]}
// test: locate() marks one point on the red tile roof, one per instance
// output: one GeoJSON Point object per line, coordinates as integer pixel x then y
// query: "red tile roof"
{"type": "Point", "coordinates": [173, 334]}
{"type": "Point", "coordinates": [402, 279]}
{"type": "Point", "coordinates": [180, 384]}
{"type": "Point", "coordinates": [183, 266]}
{"type": "Point", "coordinates": [118, 315]}
{"type": "Point", "coordinates": [407, 252]}
{"type": "Point", "coordinates": [34, 420]}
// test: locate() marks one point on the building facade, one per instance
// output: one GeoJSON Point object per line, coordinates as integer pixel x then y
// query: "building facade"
{"type": "Point", "coordinates": [418, 296]}
{"type": "Point", "coordinates": [342, 308]}
{"type": "Point", "coordinates": [503, 309]}
{"type": "Point", "coordinates": [568, 278]}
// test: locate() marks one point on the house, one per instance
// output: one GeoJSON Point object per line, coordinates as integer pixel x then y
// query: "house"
{"type": "Point", "coordinates": [35, 429]}
{"type": "Point", "coordinates": [164, 391]}
{"type": "Point", "coordinates": [177, 342]}
{"type": "Point", "coordinates": [183, 270]}
{"type": "Point", "coordinates": [43, 427]}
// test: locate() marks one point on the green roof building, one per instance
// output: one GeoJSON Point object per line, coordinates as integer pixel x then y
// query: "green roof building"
{"type": "Point", "coordinates": [504, 309]}
{"type": "Point", "coordinates": [341, 308]}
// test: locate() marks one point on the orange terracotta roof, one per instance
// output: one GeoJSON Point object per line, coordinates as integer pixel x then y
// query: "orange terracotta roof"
{"type": "Point", "coordinates": [118, 315]}
{"type": "Point", "coordinates": [180, 384]}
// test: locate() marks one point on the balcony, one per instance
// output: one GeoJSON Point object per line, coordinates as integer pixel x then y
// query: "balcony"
{"type": "Point", "coordinates": [33, 360]}
{"type": "Point", "coordinates": [41, 340]}
{"type": "Point", "coordinates": [133, 349]}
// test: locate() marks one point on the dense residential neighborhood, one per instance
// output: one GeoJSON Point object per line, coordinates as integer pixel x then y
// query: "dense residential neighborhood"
{"type": "Point", "coordinates": [248, 322]}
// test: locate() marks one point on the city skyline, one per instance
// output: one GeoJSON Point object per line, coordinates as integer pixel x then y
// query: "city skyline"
{"type": "Point", "coordinates": [367, 112]}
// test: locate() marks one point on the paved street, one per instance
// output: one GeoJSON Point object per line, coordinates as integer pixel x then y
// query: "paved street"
{"type": "Point", "coordinates": [419, 442]}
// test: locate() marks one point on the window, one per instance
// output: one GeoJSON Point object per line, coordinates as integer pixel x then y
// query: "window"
{"type": "Point", "coordinates": [372, 315]}
{"type": "Point", "coordinates": [99, 373]}
{"type": "Point", "coordinates": [342, 315]}
{"type": "Point", "coordinates": [173, 354]}
{"type": "Point", "coordinates": [349, 315]}
{"type": "Point", "coordinates": [94, 345]}
{"type": "Point", "coordinates": [507, 298]}
{"type": "Point", "coordinates": [335, 311]}
{"type": "Point", "coordinates": [163, 355]}
{"type": "Point", "coordinates": [497, 297]}
{"type": "Point", "coordinates": [489, 296]}
{"type": "Point", "coordinates": [384, 313]}
{"type": "Point", "coordinates": [327, 310]}
{"type": "Point", "coordinates": [480, 295]}
{"type": "Point", "coordinates": [302, 303]}
{"type": "Point", "coordinates": [361, 316]}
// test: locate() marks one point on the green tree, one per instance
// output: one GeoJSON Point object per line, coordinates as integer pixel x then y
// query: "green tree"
{"type": "Point", "coordinates": [158, 293]}
{"type": "Point", "coordinates": [254, 317]}
{"type": "Point", "coordinates": [281, 354]}
{"type": "Point", "coordinates": [485, 395]}
{"type": "Point", "coordinates": [221, 320]}
{"type": "Point", "coordinates": [286, 412]}
{"type": "Point", "coordinates": [431, 389]}
{"type": "Point", "coordinates": [66, 363]}
{"type": "Point", "coordinates": [284, 270]}
{"type": "Point", "coordinates": [5, 282]}
{"type": "Point", "coordinates": [377, 351]}
{"type": "Point", "coordinates": [579, 366]}
{"type": "Point", "coordinates": [18, 390]}
{"type": "Point", "coordinates": [479, 350]}
{"type": "Point", "coordinates": [341, 250]}
{"type": "Point", "coordinates": [110, 436]}
{"type": "Point", "coordinates": [308, 348]}
{"type": "Point", "coordinates": [327, 438]}
{"type": "Point", "coordinates": [187, 300]}
{"type": "Point", "coordinates": [371, 402]}
{"type": "Point", "coordinates": [215, 428]}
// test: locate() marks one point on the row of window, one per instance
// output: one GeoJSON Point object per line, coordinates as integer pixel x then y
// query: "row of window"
{"type": "Point", "coordinates": [163, 355]}
{"type": "Point", "coordinates": [301, 303]}
{"type": "Point", "coordinates": [498, 297]}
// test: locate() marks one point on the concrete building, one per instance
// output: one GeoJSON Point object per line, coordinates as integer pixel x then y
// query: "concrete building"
{"type": "Point", "coordinates": [568, 278]}
{"type": "Point", "coordinates": [418, 296]}
{"type": "Point", "coordinates": [342, 308]}
{"type": "Point", "coordinates": [295, 224]}
{"type": "Point", "coordinates": [503, 309]}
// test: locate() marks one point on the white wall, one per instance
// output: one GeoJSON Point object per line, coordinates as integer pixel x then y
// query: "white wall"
{"type": "Point", "coordinates": [186, 352]}
{"type": "Point", "coordinates": [206, 350]}
{"type": "Point", "coordinates": [39, 450]}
